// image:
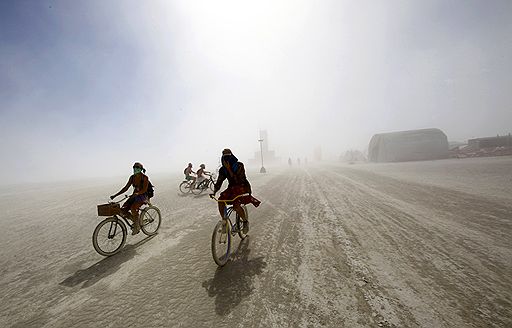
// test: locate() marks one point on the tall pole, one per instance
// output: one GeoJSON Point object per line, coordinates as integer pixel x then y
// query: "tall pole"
{"type": "Point", "coordinates": [262, 170]}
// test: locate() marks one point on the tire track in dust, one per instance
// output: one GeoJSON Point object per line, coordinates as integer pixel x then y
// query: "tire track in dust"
{"type": "Point", "coordinates": [374, 304]}
{"type": "Point", "coordinates": [312, 282]}
{"type": "Point", "coordinates": [363, 225]}
{"type": "Point", "coordinates": [270, 304]}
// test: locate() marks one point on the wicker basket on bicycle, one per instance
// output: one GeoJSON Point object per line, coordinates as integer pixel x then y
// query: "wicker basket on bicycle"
{"type": "Point", "coordinates": [109, 209]}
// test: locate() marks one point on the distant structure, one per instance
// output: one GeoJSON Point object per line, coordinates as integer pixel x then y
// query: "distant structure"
{"type": "Point", "coordinates": [498, 141]}
{"type": "Point", "coordinates": [483, 147]}
{"type": "Point", "coordinates": [413, 145]}
{"type": "Point", "coordinates": [269, 156]}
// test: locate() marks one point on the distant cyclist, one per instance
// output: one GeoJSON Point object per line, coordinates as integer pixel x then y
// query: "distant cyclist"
{"type": "Point", "coordinates": [188, 174]}
{"type": "Point", "coordinates": [201, 174]}
{"type": "Point", "coordinates": [140, 183]}
{"type": "Point", "coordinates": [234, 171]}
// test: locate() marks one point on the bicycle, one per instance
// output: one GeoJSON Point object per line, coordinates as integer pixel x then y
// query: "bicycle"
{"type": "Point", "coordinates": [204, 185]}
{"type": "Point", "coordinates": [224, 230]}
{"type": "Point", "coordinates": [109, 236]}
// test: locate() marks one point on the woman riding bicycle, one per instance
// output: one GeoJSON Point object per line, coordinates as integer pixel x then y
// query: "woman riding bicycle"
{"type": "Point", "coordinates": [234, 171]}
{"type": "Point", "coordinates": [140, 183]}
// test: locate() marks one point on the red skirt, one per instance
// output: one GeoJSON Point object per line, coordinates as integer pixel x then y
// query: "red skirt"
{"type": "Point", "coordinates": [232, 192]}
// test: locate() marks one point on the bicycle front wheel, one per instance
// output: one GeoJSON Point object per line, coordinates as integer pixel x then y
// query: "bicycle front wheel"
{"type": "Point", "coordinates": [221, 242]}
{"type": "Point", "coordinates": [150, 220]}
{"type": "Point", "coordinates": [109, 236]}
{"type": "Point", "coordinates": [185, 187]}
{"type": "Point", "coordinates": [211, 185]}
{"type": "Point", "coordinates": [198, 188]}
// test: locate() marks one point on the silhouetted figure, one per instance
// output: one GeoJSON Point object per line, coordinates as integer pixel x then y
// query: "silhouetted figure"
{"type": "Point", "coordinates": [238, 186]}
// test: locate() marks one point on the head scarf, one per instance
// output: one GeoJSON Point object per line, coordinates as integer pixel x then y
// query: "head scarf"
{"type": "Point", "coordinates": [229, 161]}
{"type": "Point", "coordinates": [137, 168]}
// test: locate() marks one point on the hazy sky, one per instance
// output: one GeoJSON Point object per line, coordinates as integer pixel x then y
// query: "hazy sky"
{"type": "Point", "coordinates": [89, 87]}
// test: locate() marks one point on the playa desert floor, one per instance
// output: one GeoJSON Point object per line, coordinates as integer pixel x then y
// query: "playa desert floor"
{"type": "Point", "coordinates": [426, 244]}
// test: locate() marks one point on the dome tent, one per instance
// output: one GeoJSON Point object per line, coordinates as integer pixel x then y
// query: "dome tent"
{"type": "Point", "coordinates": [413, 145]}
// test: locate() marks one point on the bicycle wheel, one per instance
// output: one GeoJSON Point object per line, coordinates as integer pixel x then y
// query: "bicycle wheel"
{"type": "Point", "coordinates": [198, 188]}
{"type": "Point", "coordinates": [150, 219]}
{"type": "Point", "coordinates": [211, 184]}
{"type": "Point", "coordinates": [109, 236]}
{"type": "Point", "coordinates": [240, 223]}
{"type": "Point", "coordinates": [221, 242]}
{"type": "Point", "coordinates": [185, 187]}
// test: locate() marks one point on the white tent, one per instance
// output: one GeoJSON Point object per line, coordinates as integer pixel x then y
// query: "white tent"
{"type": "Point", "coordinates": [414, 145]}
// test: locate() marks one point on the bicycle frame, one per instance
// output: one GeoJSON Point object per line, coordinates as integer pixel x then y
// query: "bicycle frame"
{"type": "Point", "coordinates": [122, 218]}
{"type": "Point", "coordinates": [227, 212]}
{"type": "Point", "coordinates": [206, 183]}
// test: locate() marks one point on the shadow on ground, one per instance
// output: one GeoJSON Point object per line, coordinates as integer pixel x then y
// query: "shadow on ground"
{"type": "Point", "coordinates": [203, 194]}
{"type": "Point", "coordinates": [103, 268]}
{"type": "Point", "coordinates": [234, 281]}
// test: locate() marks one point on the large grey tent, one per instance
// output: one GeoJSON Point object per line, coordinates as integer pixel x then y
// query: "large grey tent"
{"type": "Point", "coordinates": [414, 145]}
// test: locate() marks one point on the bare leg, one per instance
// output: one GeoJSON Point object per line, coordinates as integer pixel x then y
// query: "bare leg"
{"type": "Point", "coordinates": [222, 207]}
{"type": "Point", "coordinates": [240, 211]}
{"type": "Point", "coordinates": [135, 215]}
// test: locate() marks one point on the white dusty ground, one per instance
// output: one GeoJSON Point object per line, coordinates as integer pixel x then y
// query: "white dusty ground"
{"type": "Point", "coordinates": [395, 245]}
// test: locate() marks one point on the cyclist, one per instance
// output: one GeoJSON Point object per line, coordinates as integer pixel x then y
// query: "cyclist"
{"type": "Point", "coordinates": [234, 171]}
{"type": "Point", "coordinates": [140, 183]}
{"type": "Point", "coordinates": [188, 174]}
{"type": "Point", "coordinates": [201, 174]}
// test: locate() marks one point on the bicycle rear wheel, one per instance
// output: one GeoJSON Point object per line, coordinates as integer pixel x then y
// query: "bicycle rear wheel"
{"type": "Point", "coordinates": [221, 242]}
{"type": "Point", "coordinates": [150, 220]}
{"type": "Point", "coordinates": [109, 236]}
{"type": "Point", "coordinates": [185, 187]}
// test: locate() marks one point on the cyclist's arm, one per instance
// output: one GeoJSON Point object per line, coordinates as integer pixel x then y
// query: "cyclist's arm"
{"type": "Point", "coordinates": [125, 188]}
{"type": "Point", "coordinates": [219, 182]}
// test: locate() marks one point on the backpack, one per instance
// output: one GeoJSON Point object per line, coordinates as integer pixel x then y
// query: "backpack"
{"type": "Point", "coordinates": [151, 190]}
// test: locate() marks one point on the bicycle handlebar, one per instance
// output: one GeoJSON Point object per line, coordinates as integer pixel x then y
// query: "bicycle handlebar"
{"type": "Point", "coordinates": [212, 196]}
{"type": "Point", "coordinates": [112, 201]}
